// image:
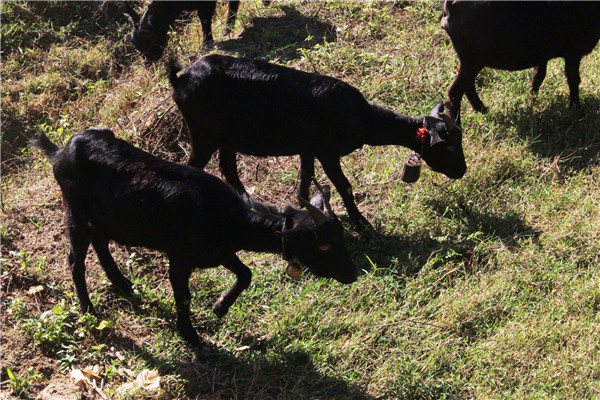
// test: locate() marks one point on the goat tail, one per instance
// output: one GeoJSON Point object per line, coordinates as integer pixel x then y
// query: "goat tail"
{"type": "Point", "coordinates": [43, 143]}
{"type": "Point", "coordinates": [174, 68]}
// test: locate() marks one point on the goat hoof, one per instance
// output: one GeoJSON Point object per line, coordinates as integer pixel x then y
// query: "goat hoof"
{"type": "Point", "coordinates": [220, 310]}
{"type": "Point", "coordinates": [190, 336]}
{"type": "Point", "coordinates": [481, 108]}
{"type": "Point", "coordinates": [89, 309]}
{"type": "Point", "coordinates": [125, 287]}
{"type": "Point", "coordinates": [361, 224]}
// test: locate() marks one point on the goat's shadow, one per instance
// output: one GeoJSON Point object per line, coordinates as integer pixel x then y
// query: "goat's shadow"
{"type": "Point", "coordinates": [557, 130]}
{"type": "Point", "coordinates": [215, 372]}
{"type": "Point", "coordinates": [280, 36]}
{"type": "Point", "coordinates": [404, 255]}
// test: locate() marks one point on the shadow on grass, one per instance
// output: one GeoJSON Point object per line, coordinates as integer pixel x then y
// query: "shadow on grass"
{"type": "Point", "coordinates": [279, 37]}
{"type": "Point", "coordinates": [405, 255]}
{"type": "Point", "coordinates": [558, 131]}
{"type": "Point", "coordinates": [217, 373]}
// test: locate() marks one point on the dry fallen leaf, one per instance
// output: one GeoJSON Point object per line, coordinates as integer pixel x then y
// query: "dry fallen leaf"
{"type": "Point", "coordinates": [35, 289]}
{"type": "Point", "coordinates": [88, 379]}
{"type": "Point", "coordinates": [148, 380]}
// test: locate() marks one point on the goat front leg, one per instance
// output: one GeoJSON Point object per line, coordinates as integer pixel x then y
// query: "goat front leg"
{"type": "Point", "coordinates": [228, 297]}
{"type": "Point", "coordinates": [307, 171]}
{"type": "Point", "coordinates": [110, 267]}
{"type": "Point", "coordinates": [573, 78]}
{"type": "Point", "coordinates": [179, 275]}
{"type": "Point", "coordinates": [539, 73]}
{"type": "Point", "coordinates": [464, 82]}
{"type": "Point", "coordinates": [332, 168]}
{"type": "Point", "coordinates": [228, 167]}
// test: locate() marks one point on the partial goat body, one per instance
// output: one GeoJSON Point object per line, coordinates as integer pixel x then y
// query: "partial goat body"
{"type": "Point", "coordinates": [114, 191]}
{"type": "Point", "coordinates": [517, 35]}
{"type": "Point", "coordinates": [259, 108]}
{"type": "Point", "coordinates": [149, 33]}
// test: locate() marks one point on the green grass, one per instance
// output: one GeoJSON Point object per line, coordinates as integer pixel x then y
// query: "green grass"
{"type": "Point", "coordinates": [484, 287]}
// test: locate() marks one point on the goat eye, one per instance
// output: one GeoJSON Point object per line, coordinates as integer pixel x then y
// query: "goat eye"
{"type": "Point", "coordinates": [325, 247]}
{"type": "Point", "coordinates": [451, 148]}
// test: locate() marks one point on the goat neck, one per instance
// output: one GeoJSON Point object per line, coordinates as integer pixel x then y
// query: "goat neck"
{"type": "Point", "coordinates": [390, 128]}
{"type": "Point", "coordinates": [263, 227]}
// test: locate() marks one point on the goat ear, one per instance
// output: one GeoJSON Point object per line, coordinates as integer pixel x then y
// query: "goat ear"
{"type": "Point", "coordinates": [326, 193]}
{"type": "Point", "coordinates": [131, 15]}
{"type": "Point", "coordinates": [319, 199]}
{"type": "Point", "coordinates": [448, 121]}
{"type": "Point", "coordinates": [318, 216]}
{"type": "Point", "coordinates": [438, 108]}
{"type": "Point", "coordinates": [434, 138]}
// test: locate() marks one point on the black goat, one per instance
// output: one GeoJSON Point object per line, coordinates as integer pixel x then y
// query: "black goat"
{"type": "Point", "coordinates": [517, 35]}
{"type": "Point", "coordinates": [263, 109]}
{"type": "Point", "coordinates": [114, 191]}
{"type": "Point", "coordinates": [149, 33]}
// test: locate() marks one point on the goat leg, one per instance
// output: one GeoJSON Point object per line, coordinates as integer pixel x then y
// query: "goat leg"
{"type": "Point", "coordinates": [206, 10]}
{"type": "Point", "coordinates": [464, 82]}
{"type": "Point", "coordinates": [110, 267]}
{"type": "Point", "coordinates": [573, 78]}
{"type": "Point", "coordinates": [539, 73]}
{"type": "Point", "coordinates": [307, 171]}
{"type": "Point", "coordinates": [79, 241]}
{"type": "Point", "coordinates": [179, 275]}
{"type": "Point", "coordinates": [332, 168]}
{"type": "Point", "coordinates": [228, 167]}
{"type": "Point", "coordinates": [231, 16]}
{"type": "Point", "coordinates": [228, 297]}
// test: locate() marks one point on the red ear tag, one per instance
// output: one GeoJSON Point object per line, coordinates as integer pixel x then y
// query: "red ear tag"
{"type": "Point", "coordinates": [422, 134]}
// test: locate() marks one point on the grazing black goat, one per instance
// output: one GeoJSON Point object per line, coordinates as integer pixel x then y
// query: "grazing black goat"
{"type": "Point", "coordinates": [114, 191]}
{"type": "Point", "coordinates": [517, 35]}
{"type": "Point", "coordinates": [263, 109]}
{"type": "Point", "coordinates": [149, 33]}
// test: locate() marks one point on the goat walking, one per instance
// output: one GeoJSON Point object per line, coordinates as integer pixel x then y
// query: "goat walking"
{"type": "Point", "coordinates": [516, 35]}
{"type": "Point", "coordinates": [149, 33]}
{"type": "Point", "coordinates": [263, 109]}
{"type": "Point", "coordinates": [114, 191]}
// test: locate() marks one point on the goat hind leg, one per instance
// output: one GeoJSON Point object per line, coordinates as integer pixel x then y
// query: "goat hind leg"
{"type": "Point", "coordinates": [228, 297]}
{"type": "Point", "coordinates": [79, 240]}
{"type": "Point", "coordinates": [110, 267]}
{"type": "Point", "coordinates": [332, 168]}
{"type": "Point", "coordinates": [228, 167]}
